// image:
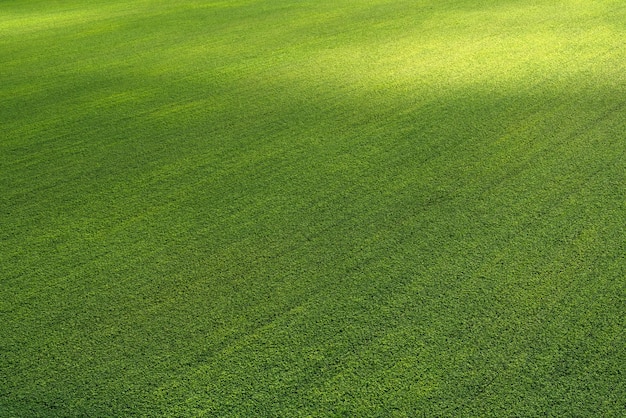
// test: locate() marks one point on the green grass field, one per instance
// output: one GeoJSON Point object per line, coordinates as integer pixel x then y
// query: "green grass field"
{"type": "Point", "coordinates": [312, 208]}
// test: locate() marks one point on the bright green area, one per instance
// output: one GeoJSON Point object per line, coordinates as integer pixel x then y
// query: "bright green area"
{"type": "Point", "coordinates": [312, 208]}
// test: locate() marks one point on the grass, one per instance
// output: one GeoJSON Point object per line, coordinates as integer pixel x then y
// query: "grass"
{"type": "Point", "coordinates": [312, 208]}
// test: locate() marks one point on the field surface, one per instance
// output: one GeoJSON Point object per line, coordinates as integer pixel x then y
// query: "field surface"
{"type": "Point", "coordinates": [312, 208]}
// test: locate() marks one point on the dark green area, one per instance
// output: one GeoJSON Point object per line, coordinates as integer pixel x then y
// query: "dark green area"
{"type": "Point", "coordinates": [312, 208]}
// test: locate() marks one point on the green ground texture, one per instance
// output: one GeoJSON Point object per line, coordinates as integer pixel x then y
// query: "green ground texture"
{"type": "Point", "coordinates": [315, 208]}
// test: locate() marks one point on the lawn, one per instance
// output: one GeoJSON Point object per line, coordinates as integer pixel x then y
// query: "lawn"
{"type": "Point", "coordinates": [312, 208]}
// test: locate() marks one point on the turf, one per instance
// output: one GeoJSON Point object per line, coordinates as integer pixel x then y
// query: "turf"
{"type": "Point", "coordinates": [312, 208]}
